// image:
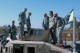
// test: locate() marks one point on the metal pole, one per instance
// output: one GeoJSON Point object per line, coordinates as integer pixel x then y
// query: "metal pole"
{"type": "Point", "coordinates": [74, 35]}
{"type": "Point", "coordinates": [65, 39]}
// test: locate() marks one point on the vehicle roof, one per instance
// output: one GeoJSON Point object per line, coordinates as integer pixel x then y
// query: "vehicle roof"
{"type": "Point", "coordinates": [26, 42]}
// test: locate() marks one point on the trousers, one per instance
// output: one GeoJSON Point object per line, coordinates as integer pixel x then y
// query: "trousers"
{"type": "Point", "coordinates": [21, 29]}
{"type": "Point", "coordinates": [59, 34]}
{"type": "Point", "coordinates": [53, 35]}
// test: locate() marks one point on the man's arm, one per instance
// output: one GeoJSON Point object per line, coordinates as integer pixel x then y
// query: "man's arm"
{"type": "Point", "coordinates": [20, 16]}
{"type": "Point", "coordinates": [29, 21]}
{"type": "Point", "coordinates": [63, 22]}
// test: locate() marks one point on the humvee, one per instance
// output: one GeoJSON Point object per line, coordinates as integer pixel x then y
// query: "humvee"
{"type": "Point", "coordinates": [37, 42]}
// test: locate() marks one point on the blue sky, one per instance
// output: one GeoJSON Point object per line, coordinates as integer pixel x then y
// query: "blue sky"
{"type": "Point", "coordinates": [9, 10]}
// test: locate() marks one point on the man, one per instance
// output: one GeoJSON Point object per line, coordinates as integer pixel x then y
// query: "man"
{"type": "Point", "coordinates": [4, 41]}
{"type": "Point", "coordinates": [59, 28]}
{"type": "Point", "coordinates": [28, 22]}
{"type": "Point", "coordinates": [22, 17]}
{"type": "Point", "coordinates": [52, 27]}
{"type": "Point", "coordinates": [45, 23]}
{"type": "Point", "coordinates": [13, 30]}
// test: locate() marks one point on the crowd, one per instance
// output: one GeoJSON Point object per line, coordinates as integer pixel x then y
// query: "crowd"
{"type": "Point", "coordinates": [54, 23]}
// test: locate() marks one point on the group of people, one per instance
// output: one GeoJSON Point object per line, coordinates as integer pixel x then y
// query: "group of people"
{"type": "Point", "coordinates": [23, 20]}
{"type": "Point", "coordinates": [12, 30]}
{"type": "Point", "coordinates": [55, 24]}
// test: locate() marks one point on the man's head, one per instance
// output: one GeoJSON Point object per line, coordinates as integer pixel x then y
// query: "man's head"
{"type": "Point", "coordinates": [25, 9]}
{"type": "Point", "coordinates": [4, 38]}
{"type": "Point", "coordinates": [29, 14]}
{"type": "Point", "coordinates": [51, 13]}
{"type": "Point", "coordinates": [56, 15]}
{"type": "Point", "coordinates": [13, 22]}
{"type": "Point", "coordinates": [45, 15]}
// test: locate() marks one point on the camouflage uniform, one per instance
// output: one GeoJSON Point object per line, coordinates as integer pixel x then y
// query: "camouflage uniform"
{"type": "Point", "coordinates": [13, 32]}
{"type": "Point", "coordinates": [22, 17]}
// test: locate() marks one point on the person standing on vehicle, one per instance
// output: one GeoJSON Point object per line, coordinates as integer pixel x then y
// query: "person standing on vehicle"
{"type": "Point", "coordinates": [22, 17]}
{"type": "Point", "coordinates": [13, 30]}
{"type": "Point", "coordinates": [52, 27]}
{"type": "Point", "coordinates": [59, 28]}
{"type": "Point", "coordinates": [29, 22]}
{"type": "Point", "coordinates": [45, 23]}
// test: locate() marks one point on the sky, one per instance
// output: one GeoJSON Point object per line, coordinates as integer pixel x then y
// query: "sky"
{"type": "Point", "coordinates": [10, 9]}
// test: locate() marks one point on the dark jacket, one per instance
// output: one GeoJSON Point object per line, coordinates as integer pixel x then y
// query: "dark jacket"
{"type": "Point", "coordinates": [13, 29]}
{"type": "Point", "coordinates": [28, 22]}
{"type": "Point", "coordinates": [60, 22]}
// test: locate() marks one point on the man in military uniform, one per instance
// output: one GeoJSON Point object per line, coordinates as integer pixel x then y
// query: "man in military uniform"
{"type": "Point", "coordinates": [45, 23]}
{"type": "Point", "coordinates": [52, 27]}
{"type": "Point", "coordinates": [28, 22]}
{"type": "Point", "coordinates": [4, 41]}
{"type": "Point", "coordinates": [59, 28]}
{"type": "Point", "coordinates": [22, 17]}
{"type": "Point", "coordinates": [13, 30]}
